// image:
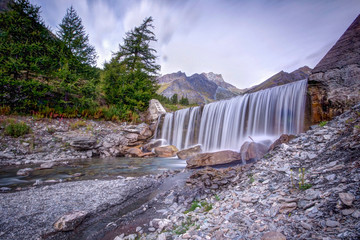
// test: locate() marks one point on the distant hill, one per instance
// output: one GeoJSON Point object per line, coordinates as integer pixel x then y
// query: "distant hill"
{"type": "Point", "coordinates": [209, 87]}
{"type": "Point", "coordinates": [198, 88]}
{"type": "Point", "coordinates": [282, 78]}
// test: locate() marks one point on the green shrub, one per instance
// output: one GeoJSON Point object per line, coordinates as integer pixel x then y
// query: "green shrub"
{"type": "Point", "coordinates": [323, 123]}
{"type": "Point", "coordinates": [17, 129]}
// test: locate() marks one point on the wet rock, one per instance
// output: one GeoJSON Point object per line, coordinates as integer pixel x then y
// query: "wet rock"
{"type": "Point", "coordinates": [166, 151]}
{"type": "Point", "coordinates": [69, 221]}
{"type": "Point", "coordinates": [152, 144]}
{"type": "Point", "coordinates": [273, 236]}
{"type": "Point", "coordinates": [190, 152]}
{"type": "Point", "coordinates": [5, 189]}
{"type": "Point", "coordinates": [47, 165]}
{"type": "Point", "coordinates": [252, 150]}
{"type": "Point", "coordinates": [24, 171]}
{"type": "Point", "coordinates": [347, 198]}
{"type": "Point", "coordinates": [134, 152]}
{"type": "Point", "coordinates": [210, 159]}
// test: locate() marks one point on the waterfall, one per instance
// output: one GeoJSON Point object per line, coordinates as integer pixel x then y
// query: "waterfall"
{"type": "Point", "coordinates": [227, 124]}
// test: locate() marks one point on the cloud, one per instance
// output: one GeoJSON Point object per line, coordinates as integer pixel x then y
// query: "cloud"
{"type": "Point", "coordinates": [245, 41]}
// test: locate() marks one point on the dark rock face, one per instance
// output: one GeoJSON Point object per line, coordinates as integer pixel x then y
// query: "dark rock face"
{"type": "Point", "coordinates": [215, 158]}
{"type": "Point", "coordinates": [334, 84]}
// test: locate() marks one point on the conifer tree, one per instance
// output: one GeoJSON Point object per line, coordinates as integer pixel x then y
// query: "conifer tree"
{"type": "Point", "coordinates": [130, 77]}
{"type": "Point", "coordinates": [72, 33]}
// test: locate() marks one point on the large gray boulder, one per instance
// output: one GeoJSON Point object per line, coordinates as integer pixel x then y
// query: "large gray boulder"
{"type": "Point", "coordinates": [253, 150]}
{"type": "Point", "coordinates": [215, 158]}
{"type": "Point", "coordinates": [190, 152]}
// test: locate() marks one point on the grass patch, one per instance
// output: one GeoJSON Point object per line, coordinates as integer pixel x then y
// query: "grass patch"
{"type": "Point", "coordinates": [16, 129]}
{"type": "Point", "coordinates": [323, 123]}
{"type": "Point", "coordinates": [78, 124]}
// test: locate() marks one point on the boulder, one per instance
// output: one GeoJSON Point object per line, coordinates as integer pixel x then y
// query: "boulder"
{"type": "Point", "coordinates": [24, 171]}
{"type": "Point", "coordinates": [166, 151]}
{"type": "Point", "coordinates": [215, 158]}
{"type": "Point", "coordinates": [152, 144]}
{"type": "Point", "coordinates": [155, 110]}
{"type": "Point", "coordinates": [83, 143]}
{"type": "Point", "coordinates": [252, 150]}
{"type": "Point", "coordinates": [47, 165]}
{"type": "Point", "coordinates": [284, 138]}
{"type": "Point", "coordinates": [134, 152]}
{"type": "Point", "coordinates": [69, 221]}
{"type": "Point", "coordinates": [190, 152]}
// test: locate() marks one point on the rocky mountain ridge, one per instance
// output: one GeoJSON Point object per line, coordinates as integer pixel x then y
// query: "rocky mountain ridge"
{"type": "Point", "coordinates": [208, 87]}
{"type": "Point", "coordinates": [198, 88]}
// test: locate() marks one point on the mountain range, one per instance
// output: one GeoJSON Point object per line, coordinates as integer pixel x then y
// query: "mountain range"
{"type": "Point", "coordinates": [209, 87]}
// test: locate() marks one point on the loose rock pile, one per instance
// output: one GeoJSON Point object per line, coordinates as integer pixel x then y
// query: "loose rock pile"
{"type": "Point", "coordinates": [305, 189]}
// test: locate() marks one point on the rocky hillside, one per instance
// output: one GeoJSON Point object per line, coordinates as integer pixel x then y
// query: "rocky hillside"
{"type": "Point", "coordinates": [282, 78]}
{"type": "Point", "coordinates": [198, 88]}
{"type": "Point", "coordinates": [334, 84]}
{"type": "Point", "coordinates": [307, 188]}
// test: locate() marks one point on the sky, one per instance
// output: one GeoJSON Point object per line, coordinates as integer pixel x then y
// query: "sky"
{"type": "Point", "coordinates": [247, 41]}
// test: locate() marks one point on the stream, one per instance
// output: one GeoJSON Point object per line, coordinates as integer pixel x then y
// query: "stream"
{"type": "Point", "coordinates": [89, 169]}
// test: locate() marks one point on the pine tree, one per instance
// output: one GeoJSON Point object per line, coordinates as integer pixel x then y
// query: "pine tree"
{"type": "Point", "coordinates": [72, 33]}
{"type": "Point", "coordinates": [130, 77]}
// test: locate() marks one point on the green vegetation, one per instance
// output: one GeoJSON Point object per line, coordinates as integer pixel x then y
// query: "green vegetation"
{"type": "Point", "coordinates": [130, 77]}
{"type": "Point", "coordinates": [184, 227]}
{"type": "Point", "coordinates": [302, 184]}
{"type": "Point", "coordinates": [52, 75]}
{"type": "Point", "coordinates": [78, 124]}
{"type": "Point", "coordinates": [16, 129]}
{"type": "Point", "coordinates": [217, 198]}
{"type": "Point", "coordinates": [196, 204]}
{"type": "Point", "coordinates": [323, 123]}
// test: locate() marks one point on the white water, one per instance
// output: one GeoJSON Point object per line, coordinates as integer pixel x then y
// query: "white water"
{"type": "Point", "coordinates": [227, 124]}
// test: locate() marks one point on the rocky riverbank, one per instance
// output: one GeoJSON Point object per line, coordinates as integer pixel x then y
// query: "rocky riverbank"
{"type": "Point", "coordinates": [53, 140]}
{"type": "Point", "coordinates": [305, 189]}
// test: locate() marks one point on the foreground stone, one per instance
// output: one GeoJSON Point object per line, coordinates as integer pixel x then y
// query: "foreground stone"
{"type": "Point", "coordinates": [252, 151]}
{"type": "Point", "coordinates": [190, 152]}
{"type": "Point", "coordinates": [166, 151]}
{"type": "Point", "coordinates": [211, 159]}
{"type": "Point", "coordinates": [69, 221]}
{"type": "Point", "coordinates": [24, 171]}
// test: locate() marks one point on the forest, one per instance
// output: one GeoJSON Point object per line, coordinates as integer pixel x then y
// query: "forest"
{"type": "Point", "coordinates": [52, 75]}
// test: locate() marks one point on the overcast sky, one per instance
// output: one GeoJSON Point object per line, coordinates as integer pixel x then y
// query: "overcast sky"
{"type": "Point", "coordinates": [245, 41]}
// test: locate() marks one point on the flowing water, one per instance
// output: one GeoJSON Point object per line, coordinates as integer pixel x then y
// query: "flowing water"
{"type": "Point", "coordinates": [227, 124]}
{"type": "Point", "coordinates": [96, 168]}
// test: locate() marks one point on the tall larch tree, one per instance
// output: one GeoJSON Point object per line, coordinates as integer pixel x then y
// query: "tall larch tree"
{"type": "Point", "coordinates": [130, 77]}
{"type": "Point", "coordinates": [72, 33]}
